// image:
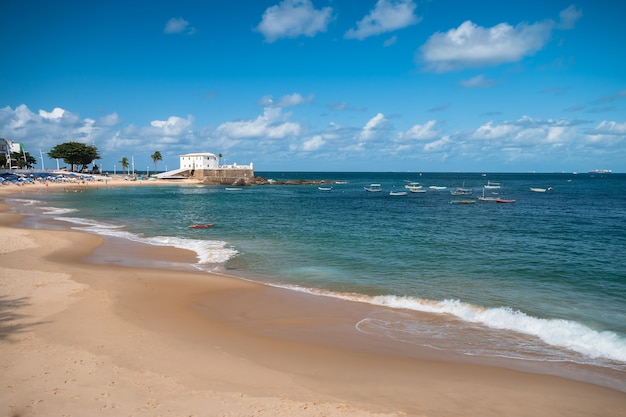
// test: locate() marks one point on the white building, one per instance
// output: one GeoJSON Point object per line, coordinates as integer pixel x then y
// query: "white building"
{"type": "Point", "coordinates": [206, 166]}
{"type": "Point", "coordinates": [203, 160]}
{"type": "Point", "coordinates": [7, 147]}
{"type": "Point", "coordinates": [206, 161]}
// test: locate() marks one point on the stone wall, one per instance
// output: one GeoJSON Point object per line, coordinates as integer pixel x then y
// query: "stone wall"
{"type": "Point", "coordinates": [229, 176]}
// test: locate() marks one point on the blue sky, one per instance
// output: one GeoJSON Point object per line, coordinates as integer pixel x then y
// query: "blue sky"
{"type": "Point", "coordinates": [321, 85]}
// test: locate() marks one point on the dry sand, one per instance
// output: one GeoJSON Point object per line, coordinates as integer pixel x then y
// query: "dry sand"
{"type": "Point", "coordinates": [85, 339]}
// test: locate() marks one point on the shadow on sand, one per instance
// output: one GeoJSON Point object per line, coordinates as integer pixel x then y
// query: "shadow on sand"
{"type": "Point", "coordinates": [12, 322]}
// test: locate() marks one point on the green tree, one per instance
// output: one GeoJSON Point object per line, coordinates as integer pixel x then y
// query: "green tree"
{"type": "Point", "coordinates": [156, 157]}
{"type": "Point", "coordinates": [75, 153]}
{"type": "Point", "coordinates": [220, 156]}
{"type": "Point", "coordinates": [124, 163]}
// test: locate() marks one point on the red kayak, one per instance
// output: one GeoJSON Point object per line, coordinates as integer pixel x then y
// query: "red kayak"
{"type": "Point", "coordinates": [200, 226]}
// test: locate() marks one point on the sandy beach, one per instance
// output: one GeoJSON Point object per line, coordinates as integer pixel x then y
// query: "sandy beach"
{"type": "Point", "coordinates": [79, 338]}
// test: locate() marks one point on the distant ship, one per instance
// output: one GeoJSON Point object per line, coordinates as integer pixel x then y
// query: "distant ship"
{"type": "Point", "coordinates": [600, 171]}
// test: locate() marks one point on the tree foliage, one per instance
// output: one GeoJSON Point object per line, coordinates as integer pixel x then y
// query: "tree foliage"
{"type": "Point", "coordinates": [156, 157]}
{"type": "Point", "coordinates": [124, 163]}
{"type": "Point", "coordinates": [75, 153]}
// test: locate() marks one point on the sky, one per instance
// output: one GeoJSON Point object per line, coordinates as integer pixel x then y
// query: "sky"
{"type": "Point", "coordinates": [321, 85]}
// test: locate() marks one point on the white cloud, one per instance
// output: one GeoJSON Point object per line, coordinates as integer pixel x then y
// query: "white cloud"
{"type": "Point", "coordinates": [339, 106]}
{"type": "Point", "coordinates": [374, 127]}
{"type": "Point", "coordinates": [471, 45]}
{"type": "Point", "coordinates": [609, 134]}
{"type": "Point", "coordinates": [527, 132]}
{"type": "Point", "coordinates": [489, 131]}
{"type": "Point", "coordinates": [523, 141]}
{"type": "Point", "coordinates": [569, 17]}
{"type": "Point", "coordinates": [269, 125]}
{"type": "Point", "coordinates": [611, 127]}
{"type": "Point", "coordinates": [289, 100]}
{"type": "Point", "coordinates": [391, 41]}
{"type": "Point", "coordinates": [387, 16]}
{"type": "Point", "coordinates": [109, 120]}
{"type": "Point", "coordinates": [57, 113]}
{"type": "Point", "coordinates": [478, 81]}
{"type": "Point", "coordinates": [15, 120]}
{"type": "Point", "coordinates": [178, 25]}
{"type": "Point", "coordinates": [438, 145]}
{"type": "Point", "coordinates": [475, 46]}
{"type": "Point", "coordinates": [419, 132]}
{"type": "Point", "coordinates": [266, 101]}
{"type": "Point", "coordinates": [313, 144]}
{"type": "Point", "coordinates": [293, 18]}
{"type": "Point", "coordinates": [47, 129]}
{"type": "Point", "coordinates": [173, 126]}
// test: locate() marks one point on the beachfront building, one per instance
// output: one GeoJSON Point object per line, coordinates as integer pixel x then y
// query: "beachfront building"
{"type": "Point", "coordinates": [203, 160]}
{"type": "Point", "coordinates": [7, 147]}
{"type": "Point", "coordinates": [205, 166]}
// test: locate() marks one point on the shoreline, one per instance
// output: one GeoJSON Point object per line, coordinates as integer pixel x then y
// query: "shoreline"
{"type": "Point", "coordinates": [111, 338]}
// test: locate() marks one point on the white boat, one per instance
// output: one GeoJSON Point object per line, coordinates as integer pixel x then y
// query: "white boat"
{"type": "Point", "coordinates": [462, 190]}
{"type": "Point", "coordinates": [417, 190]}
{"type": "Point", "coordinates": [437, 187]}
{"type": "Point", "coordinates": [398, 193]}
{"type": "Point", "coordinates": [374, 188]}
{"type": "Point", "coordinates": [540, 190]}
{"type": "Point", "coordinates": [234, 188]}
{"type": "Point", "coordinates": [413, 186]}
{"type": "Point", "coordinates": [492, 185]}
{"type": "Point", "coordinates": [486, 198]}
{"type": "Point", "coordinates": [324, 188]}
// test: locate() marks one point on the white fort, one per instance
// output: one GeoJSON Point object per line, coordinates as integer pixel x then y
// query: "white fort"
{"type": "Point", "coordinates": [206, 166]}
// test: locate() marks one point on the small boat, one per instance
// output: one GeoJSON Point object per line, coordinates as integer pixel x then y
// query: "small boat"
{"type": "Point", "coordinates": [502, 200]}
{"type": "Point", "coordinates": [462, 191]}
{"type": "Point", "coordinates": [374, 188]}
{"type": "Point", "coordinates": [413, 186]}
{"type": "Point", "coordinates": [538, 190]}
{"type": "Point", "coordinates": [417, 190]}
{"type": "Point", "coordinates": [200, 226]}
{"type": "Point", "coordinates": [396, 193]}
{"type": "Point", "coordinates": [483, 198]}
{"type": "Point", "coordinates": [437, 187]}
{"type": "Point", "coordinates": [462, 201]}
{"type": "Point", "coordinates": [234, 188]}
{"type": "Point", "coordinates": [492, 185]}
{"type": "Point", "coordinates": [324, 188]}
{"type": "Point", "coordinates": [487, 198]}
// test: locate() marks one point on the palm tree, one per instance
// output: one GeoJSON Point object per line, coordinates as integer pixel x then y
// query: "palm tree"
{"type": "Point", "coordinates": [124, 163]}
{"type": "Point", "coordinates": [220, 156]}
{"type": "Point", "coordinates": [156, 157]}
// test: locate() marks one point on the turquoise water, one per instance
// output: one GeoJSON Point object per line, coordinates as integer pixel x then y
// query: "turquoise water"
{"type": "Point", "coordinates": [543, 279]}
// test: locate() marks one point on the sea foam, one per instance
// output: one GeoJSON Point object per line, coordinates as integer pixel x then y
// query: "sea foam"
{"type": "Point", "coordinates": [556, 332]}
{"type": "Point", "coordinates": [207, 251]}
{"type": "Point", "coordinates": [559, 333]}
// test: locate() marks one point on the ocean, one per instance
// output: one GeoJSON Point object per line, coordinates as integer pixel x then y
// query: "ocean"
{"type": "Point", "coordinates": [539, 280]}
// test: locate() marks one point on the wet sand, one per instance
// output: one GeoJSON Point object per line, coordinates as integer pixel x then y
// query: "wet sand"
{"type": "Point", "coordinates": [86, 330]}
